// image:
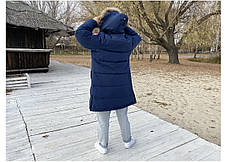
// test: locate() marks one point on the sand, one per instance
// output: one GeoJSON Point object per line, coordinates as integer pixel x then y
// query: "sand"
{"type": "Point", "coordinates": [188, 95]}
{"type": "Point", "coordinates": [192, 100]}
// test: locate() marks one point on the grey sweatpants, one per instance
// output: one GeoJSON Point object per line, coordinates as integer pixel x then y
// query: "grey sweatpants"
{"type": "Point", "coordinates": [103, 125]}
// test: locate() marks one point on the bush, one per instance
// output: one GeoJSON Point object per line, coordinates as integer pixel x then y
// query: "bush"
{"type": "Point", "coordinates": [212, 59]}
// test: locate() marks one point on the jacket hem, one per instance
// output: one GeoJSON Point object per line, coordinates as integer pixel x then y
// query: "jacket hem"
{"type": "Point", "coordinates": [113, 108]}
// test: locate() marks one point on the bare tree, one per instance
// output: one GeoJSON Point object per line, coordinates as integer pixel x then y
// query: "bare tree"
{"type": "Point", "coordinates": [163, 23]}
{"type": "Point", "coordinates": [167, 22]}
{"type": "Point", "coordinates": [38, 4]}
{"type": "Point", "coordinates": [64, 11]}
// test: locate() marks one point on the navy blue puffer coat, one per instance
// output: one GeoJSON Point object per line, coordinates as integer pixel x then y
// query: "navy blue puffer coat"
{"type": "Point", "coordinates": [111, 85]}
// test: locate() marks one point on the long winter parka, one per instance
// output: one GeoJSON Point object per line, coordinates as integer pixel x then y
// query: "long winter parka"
{"type": "Point", "coordinates": [111, 85]}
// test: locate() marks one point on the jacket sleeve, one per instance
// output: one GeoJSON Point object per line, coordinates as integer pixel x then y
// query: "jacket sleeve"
{"type": "Point", "coordinates": [135, 36]}
{"type": "Point", "coordinates": [85, 37]}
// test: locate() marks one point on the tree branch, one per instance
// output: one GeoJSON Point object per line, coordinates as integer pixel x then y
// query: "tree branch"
{"type": "Point", "coordinates": [199, 22]}
{"type": "Point", "coordinates": [152, 43]}
{"type": "Point", "coordinates": [183, 8]}
{"type": "Point", "coordinates": [150, 24]}
{"type": "Point", "coordinates": [167, 13]}
{"type": "Point", "coordinates": [156, 13]}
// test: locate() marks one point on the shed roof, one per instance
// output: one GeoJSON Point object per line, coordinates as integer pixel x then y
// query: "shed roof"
{"type": "Point", "coordinates": [20, 13]}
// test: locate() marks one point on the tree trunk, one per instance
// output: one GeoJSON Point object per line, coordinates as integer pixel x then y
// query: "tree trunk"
{"type": "Point", "coordinates": [194, 55]}
{"type": "Point", "coordinates": [196, 50]}
{"type": "Point", "coordinates": [159, 53]}
{"type": "Point", "coordinates": [171, 47]}
{"type": "Point", "coordinates": [173, 55]}
{"type": "Point", "coordinates": [151, 57]}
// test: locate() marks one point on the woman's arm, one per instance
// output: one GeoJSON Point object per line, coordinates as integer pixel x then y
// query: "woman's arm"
{"type": "Point", "coordinates": [85, 37]}
{"type": "Point", "coordinates": [135, 36]}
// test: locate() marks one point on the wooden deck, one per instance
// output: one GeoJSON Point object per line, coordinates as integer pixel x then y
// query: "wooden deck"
{"type": "Point", "coordinates": [51, 121]}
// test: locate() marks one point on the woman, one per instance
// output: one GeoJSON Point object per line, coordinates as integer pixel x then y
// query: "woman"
{"type": "Point", "coordinates": [111, 85]}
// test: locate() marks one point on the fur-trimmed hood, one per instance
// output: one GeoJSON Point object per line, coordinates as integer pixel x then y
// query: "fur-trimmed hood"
{"type": "Point", "coordinates": [113, 22]}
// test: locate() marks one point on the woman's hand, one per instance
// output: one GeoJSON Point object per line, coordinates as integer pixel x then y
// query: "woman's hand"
{"type": "Point", "coordinates": [97, 19]}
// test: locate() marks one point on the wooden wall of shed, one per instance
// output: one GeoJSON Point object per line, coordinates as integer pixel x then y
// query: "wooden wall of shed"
{"type": "Point", "coordinates": [23, 37]}
{"type": "Point", "coordinates": [27, 60]}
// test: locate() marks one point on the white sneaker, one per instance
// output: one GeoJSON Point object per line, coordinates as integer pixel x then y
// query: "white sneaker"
{"type": "Point", "coordinates": [130, 144]}
{"type": "Point", "coordinates": [101, 149]}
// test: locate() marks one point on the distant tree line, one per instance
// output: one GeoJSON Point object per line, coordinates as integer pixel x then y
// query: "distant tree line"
{"type": "Point", "coordinates": [175, 26]}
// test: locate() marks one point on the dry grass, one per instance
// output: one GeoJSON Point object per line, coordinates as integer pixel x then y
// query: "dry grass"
{"type": "Point", "coordinates": [214, 59]}
{"type": "Point", "coordinates": [143, 65]}
{"type": "Point", "coordinates": [73, 59]}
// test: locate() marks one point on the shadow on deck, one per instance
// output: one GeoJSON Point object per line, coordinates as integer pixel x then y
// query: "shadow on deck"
{"type": "Point", "coordinates": [51, 121]}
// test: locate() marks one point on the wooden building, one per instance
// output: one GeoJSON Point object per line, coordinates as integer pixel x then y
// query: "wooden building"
{"type": "Point", "coordinates": [26, 30]}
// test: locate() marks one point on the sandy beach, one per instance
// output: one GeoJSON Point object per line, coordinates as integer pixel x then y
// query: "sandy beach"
{"type": "Point", "coordinates": [188, 95]}
{"type": "Point", "coordinates": [189, 99]}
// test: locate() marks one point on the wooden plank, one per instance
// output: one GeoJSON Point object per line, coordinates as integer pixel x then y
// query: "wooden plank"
{"type": "Point", "coordinates": [18, 88]}
{"type": "Point", "coordinates": [150, 146]}
{"type": "Point", "coordinates": [89, 128]}
{"type": "Point", "coordinates": [19, 154]}
{"type": "Point", "coordinates": [116, 145]}
{"type": "Point", "coordinates": [17, 145]}
{"type": "Point", "coordinates": [16, 78]}
{"type": "Point", "coordinates": [45, 91]}
{"type": "Point", "coordinates": [85, 142]}
{"type": "Point", "coordinates": [62, 120]}
{"type": "Point", "coordinates": [46, 88]}
{"type": "Point", "coordinates": [14, 121]}
{"type": "Point", "coordinates": [42, 110]}
{"type": "Point", "coordinates": [62, 86]}
{"type": "Point", "coordinates": [29, 69]}
{"type": "Point", "coordinates": [12, 113]}
{"type": "Point", "coordinates": [189, 152]}
{"type": "Point", "coordinates": [54, 95]}
{"type": "Point", "coordinates": [50, 101]}
{"type": "Point", "coordinates": [66, 102]}
{"type": "Point", "coordinates": [18, 84]}
{"type": "Point", "coordinates": [27, 50]}
{"type": "Point", "coordinates": [16, 134]}
{"type": "Point", "coordinates": [66, 90]}
{"type": "Point", "coordinates": [30, 93]}
{"type": "Point", "coordinates": [55, 106]}
{"type": "Point", "coordinates": [215, 156]}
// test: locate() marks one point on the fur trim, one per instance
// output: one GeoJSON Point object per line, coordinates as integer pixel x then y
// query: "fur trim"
{"type": "Point", "coordinates": [109, 9]}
